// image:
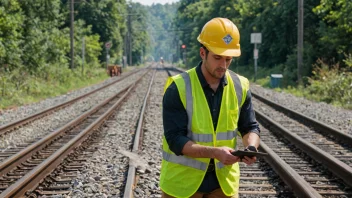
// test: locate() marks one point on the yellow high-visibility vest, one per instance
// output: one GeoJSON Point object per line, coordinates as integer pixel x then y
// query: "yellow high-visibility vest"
{"type": "Point", "coordinates": [181, 176]}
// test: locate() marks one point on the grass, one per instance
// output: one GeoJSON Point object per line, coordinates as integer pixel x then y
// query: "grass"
{"type": "Point", "coordinates": [41, 89]}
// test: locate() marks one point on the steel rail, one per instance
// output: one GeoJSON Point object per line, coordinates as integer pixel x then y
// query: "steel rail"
{"type": "Point", "coordinates": [167, 71]}
{"type": "Point", "coordinates": [32, 179]}
{"type": "Point", "coordinates": [317, 125]}
{"type": "Point", "coordinates": [128, 193]}
{"type": "Point", "coordinates": [298, 185]}
{"type": "Point", "coordinates": [12, 125]}
{"type": "Point", "coordinates": [13, 161]}
{"type": "Point", "coordinates": [337, 167]}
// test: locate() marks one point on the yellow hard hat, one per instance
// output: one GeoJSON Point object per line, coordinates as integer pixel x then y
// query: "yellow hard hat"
{"type": "Point", "coordinates": [221, 36]}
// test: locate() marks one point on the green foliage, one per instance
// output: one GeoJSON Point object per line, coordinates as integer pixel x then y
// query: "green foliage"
{"type": "Point", "coordinates": [18, 88]}
{"type": "Point", "coordinates": [336, 12]}
{"type": "Point", "coordinates": [264, 82]}
{"type": "Point", "coordinates": [327, 36]}
{"type": "Point", "coordinates": [262, 73]}
{"type": "Point", "coordinates": [44, 43]}
{"type": "Point", "coordinates": [93, 47]}
{"type": "Point", "coordinates": [139, 35]}
{"type": "Point", "coordinates": [106, 19]}
{"type": "Point", "coordinates": [162, 33]}
{"type": "Point", "coordinates": [327, 29]}
{"type": "Point", "coordinates": [35, 40]}
{"type": "Point", "coordinates": [191, 16]}
{"type": "Point", "coordinates": [348, 60]}
{"type": "Point", "coordinates": [11, 19]}
{"type": "Point", "coordinates": [331, 85]}
{"type": "Point", "coordinates": [335, 29]}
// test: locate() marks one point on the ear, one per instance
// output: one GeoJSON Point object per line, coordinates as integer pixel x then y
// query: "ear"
{"type": "Point", "coordinates": [202, 53]}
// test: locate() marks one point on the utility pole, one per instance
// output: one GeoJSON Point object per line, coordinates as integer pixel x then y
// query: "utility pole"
{"type": "Point", "coordinates": [124, 59]}
{"type": "Point", "coordinates": [177, 49]}
{"type": "Point", "coordinates": [255, 55]}
{"type": "Point", "coordinates": [142, 57]}
{"type": "Point", "coordinates": [130, 37]}
{"type": "Point", "coordinates": [71, 35]}
{"type": "Point", "coordinates": [83, 54]}
{"type": "Point", "coordinates": [300, 41]}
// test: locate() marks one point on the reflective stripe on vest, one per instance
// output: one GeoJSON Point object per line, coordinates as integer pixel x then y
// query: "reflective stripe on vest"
{"type": "Point", "coordinates": [220, 165]}
{"type": "Point", "coordinates": [208, 138]}
{"type": "Point", "coordinates": [226, 136]}
{"type": "Point", "coordinates": [238, 88]}
{"type": "Point", "coordinates": [189, 103]}
{"type": "Point", "coordinates": [186, 161]}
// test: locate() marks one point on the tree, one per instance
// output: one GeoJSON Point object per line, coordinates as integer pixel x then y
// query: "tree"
{"type": "Point", "coordinates": [11, 20]}
{"type": "Point", "coordinates": [44, 43]}
{"type": "Point", "coordinates": [161, 30]}
{"type": "Point", "coordinates": [335, 28]}
{"type": "Point", "coordinates": [107, 19]}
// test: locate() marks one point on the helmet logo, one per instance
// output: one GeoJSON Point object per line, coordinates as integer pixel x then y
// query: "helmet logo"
{"type": "Point", "coordinates": [227, 39]}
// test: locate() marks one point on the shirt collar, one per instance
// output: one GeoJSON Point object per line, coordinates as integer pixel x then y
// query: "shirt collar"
{"type": "Point", "coordinates": [202, 80]}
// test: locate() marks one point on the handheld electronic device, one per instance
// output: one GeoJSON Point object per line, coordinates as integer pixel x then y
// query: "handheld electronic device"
{"type": "Point", "coordinates": [248, 153]}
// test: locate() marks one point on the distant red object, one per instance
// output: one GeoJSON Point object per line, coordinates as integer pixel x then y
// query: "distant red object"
{"type": "Point", "coordinates": [183, 46]}
{"type": "Point", "coordinates": [114, 70]}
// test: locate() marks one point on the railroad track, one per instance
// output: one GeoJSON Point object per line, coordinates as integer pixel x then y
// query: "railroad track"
{"type": "Point", "coordinates": [313, 174]}
{"type": "Point", "coordinates": [330, 175]}
{"type": "Point", "coordinates": [24, 170]}
{"type": "Point", "coordinates": [293, 167]}
{"type": "Point", "coordinates": [6, 128]}
{"type": "Point", "coordinates": [318, 126]}
{"type": "Point", "coordinates": [333, 150]}
{"type": "Point", "coordinates": [137, 143]}
{"type": "Point", "coordinates": [261, 180]}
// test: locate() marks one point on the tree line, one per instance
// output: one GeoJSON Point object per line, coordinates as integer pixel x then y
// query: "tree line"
{"type": "Point", "coordinates": [35, 43]}
{"type": "Point", "coordinates": [34, 35]}
{"type": "Point", "coordinates": [35, 39]}
{"type": "Point", "coordinates": [327, 31]}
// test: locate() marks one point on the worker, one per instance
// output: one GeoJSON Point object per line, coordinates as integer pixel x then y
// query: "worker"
{"type": "Point", "coordinates": [162, 60]}
{"type": "Point", "coordinates": [205, 109]}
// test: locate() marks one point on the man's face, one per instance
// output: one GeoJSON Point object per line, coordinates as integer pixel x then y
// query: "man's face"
{"type": "Point", "coordinates": [215, 65]}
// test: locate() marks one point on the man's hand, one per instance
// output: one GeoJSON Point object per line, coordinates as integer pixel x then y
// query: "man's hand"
{"type": "Point", "coordinates": [250, 160]}
{"type": "Point", "coordinates": [223, 154]}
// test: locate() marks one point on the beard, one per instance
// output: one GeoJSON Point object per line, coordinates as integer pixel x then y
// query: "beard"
{"type": "Point", "coordinates": [217, 73]}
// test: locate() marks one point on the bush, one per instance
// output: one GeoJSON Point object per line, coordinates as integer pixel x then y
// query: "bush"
{"type": "Point", "coordinates": [330, 85]}
{"type": "Point", "coordinates": [18, 87]}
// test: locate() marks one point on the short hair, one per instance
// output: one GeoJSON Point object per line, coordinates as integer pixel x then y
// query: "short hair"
{"type": "Point", "coordinates": [205, 48]}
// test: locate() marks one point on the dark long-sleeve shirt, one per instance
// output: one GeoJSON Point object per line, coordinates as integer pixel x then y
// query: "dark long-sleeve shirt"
{"type": "Point", "coordinates": [175, 120]}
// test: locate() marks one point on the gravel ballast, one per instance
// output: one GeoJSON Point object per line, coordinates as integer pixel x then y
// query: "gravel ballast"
{"type": "Point", "coordinates": [12, 114]}
{"type": "Point", "coordinates": [50, 123]}
{"type": "Point", "coordinates": [148, 183]}
{"type": "Point", "coordinates": [337, 117]}
{"type": "Point", "coordinates": [109, 163]}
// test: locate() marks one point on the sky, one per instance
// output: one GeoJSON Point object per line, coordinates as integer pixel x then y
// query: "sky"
{"type": "Point", "coordinates": [150, 2]}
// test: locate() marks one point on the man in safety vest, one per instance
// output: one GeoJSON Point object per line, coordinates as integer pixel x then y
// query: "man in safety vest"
{"type": "Point", "coordinates": [204, 110]}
